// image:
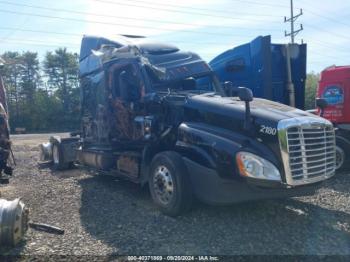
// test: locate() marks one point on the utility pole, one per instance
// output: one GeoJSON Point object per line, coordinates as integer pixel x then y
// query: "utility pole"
{"type": "Point", "coordinates": [288, 49]}
{"type": "Point", "coordinates": [292, 19]}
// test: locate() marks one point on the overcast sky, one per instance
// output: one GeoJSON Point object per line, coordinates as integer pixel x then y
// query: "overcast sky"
{"type": "Point", "coordinates": [207, 27]}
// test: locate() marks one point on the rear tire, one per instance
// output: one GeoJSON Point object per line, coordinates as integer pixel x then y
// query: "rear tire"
{"type": "Point", "coordinates": [169, 184]}
{"type": "Point", "coordinates": [57, 157]}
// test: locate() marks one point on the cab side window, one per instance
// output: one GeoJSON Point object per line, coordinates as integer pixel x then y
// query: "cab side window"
{"type": "Point", "coordinates": [128, 84]}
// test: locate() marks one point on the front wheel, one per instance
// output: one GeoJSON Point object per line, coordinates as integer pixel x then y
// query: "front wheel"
{"type": "Point", "coordinates": [342, 153]}
{"type": "Point", "coordinates": [169, 184]}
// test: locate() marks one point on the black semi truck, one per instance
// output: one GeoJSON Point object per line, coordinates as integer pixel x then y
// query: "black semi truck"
{"type": "Point", "coordinates": [158, 116]}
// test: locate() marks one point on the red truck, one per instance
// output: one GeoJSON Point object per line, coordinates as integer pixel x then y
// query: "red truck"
{"type": "Point", "coordinates": [334, 87]}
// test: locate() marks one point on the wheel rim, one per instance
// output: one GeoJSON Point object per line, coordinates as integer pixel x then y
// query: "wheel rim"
{"type": "Point", "coordinates": [163, 185]}
{"type": "Point", "coordinates": [55, 155]}
{"type": "Point", "coordinates": [339, 157]}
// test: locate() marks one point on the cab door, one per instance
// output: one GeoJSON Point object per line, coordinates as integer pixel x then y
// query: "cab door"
{"type": "Point", "coordinates": [127, 88]}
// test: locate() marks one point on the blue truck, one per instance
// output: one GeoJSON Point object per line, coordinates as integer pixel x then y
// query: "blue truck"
{"type": "Point", "coordinates": [275, 72]}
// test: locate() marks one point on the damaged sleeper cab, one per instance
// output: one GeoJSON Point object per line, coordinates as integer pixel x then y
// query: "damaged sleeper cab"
{"type": "Point", "coordinates": [158, 116]}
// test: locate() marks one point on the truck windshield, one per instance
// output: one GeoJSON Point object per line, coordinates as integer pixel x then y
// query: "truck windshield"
{"type": "Point", "coordinates": [203, 83]}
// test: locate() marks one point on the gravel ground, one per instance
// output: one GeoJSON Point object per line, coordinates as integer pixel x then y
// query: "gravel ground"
{"type": "Point", "coordinates": [105, 216]}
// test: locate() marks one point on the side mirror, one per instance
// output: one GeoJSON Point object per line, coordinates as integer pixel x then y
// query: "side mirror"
{"type": "Point", "coordinates": [245, 94]}
{"type": "Point", "coordinates": [228, 87]}
{"type": "Point", "coordinates": [321, 104]}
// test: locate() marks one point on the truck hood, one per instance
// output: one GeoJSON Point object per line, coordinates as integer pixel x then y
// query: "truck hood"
{"type": "Point", "coordinates": [228, 113]}
{"type": "Point", "coordinates": [261, 109]}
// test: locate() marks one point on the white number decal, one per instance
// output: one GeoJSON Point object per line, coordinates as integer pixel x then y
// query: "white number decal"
{"type": "Point", "coordinates": [268, 130]}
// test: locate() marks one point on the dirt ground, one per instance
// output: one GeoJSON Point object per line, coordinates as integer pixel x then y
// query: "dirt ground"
{"type": "Point", "coordinates": [105, 216]}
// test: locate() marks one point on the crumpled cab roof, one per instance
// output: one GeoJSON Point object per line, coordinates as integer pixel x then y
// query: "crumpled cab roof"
{"type": "Point", "coordinates": [161, 58]}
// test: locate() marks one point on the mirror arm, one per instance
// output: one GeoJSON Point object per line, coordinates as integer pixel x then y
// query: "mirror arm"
{"type": "Point", "coordinates": [321, 112]}
{"type": "Point", "coordinates": [247, 121]}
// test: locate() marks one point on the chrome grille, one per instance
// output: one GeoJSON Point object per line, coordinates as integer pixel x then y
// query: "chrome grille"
{"type": "Point", "coordinates": [308, 149]}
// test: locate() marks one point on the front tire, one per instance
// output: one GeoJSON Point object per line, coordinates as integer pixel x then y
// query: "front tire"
{"type": "Point", "coordinates": [169, 184]}
{"type": "Point", "coordinates": [342, 155]}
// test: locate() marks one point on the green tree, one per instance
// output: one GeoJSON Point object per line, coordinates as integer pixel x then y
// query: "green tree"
{"type": "Point", "coordinates": [61, 70]}
{"type": "Point", "coordinates": [29, 82]}
{"type": "Point", "coordinates": [311, 89]}
{"type": "Point", "coordinates": [30, 75]}
{"type": "Point", "coordinates": [11, 75]}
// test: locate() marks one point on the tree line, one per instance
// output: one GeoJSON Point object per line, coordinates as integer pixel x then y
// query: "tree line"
{"type": "Point", "coordinates": [42, 95]}
{"type": "Point", "coordinates": [311, 89]}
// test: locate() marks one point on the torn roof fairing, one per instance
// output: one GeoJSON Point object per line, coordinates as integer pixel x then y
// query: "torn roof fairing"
{"type": "Point", "coordinates": [89, 43]}
{"type": "Point", "coordinates": [106, 54]}
{"type": "Point", "coordinates": [157, 48]}
{"type": "Point", "coordinates": [165, 61]}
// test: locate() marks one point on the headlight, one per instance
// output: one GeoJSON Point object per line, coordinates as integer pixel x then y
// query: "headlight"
{"type": "Point", "coordinates": [251, 165]}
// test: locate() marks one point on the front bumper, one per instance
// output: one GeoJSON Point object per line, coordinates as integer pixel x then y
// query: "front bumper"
{"type": "Point", "coordinates": [210, 188]}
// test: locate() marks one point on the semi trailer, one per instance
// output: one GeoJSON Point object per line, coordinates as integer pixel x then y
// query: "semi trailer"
{"type": "Point", "coordinates": [272, 71]}
{"type": "Point", "coordinates": [158, 116]}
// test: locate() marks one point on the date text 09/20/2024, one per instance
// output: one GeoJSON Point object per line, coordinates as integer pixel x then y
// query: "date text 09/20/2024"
{"type": "Point", "coordinates": [173, 258]}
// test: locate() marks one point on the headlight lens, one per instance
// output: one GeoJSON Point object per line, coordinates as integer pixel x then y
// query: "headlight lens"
{"type": "Point", "coordinates": [251, 165]}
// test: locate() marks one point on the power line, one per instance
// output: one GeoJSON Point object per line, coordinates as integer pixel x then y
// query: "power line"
{"type": "Point", "coordinates": [8, 41]}
{"type": "Point", "coordinates": [118, 17]}
{"type": "Point", "coordinates": [175, 41]}
{"type": "Point", "coordinates": [329, 32]}
{"type": "Point", "coordinates": [117, 24]}
{"type": "Point", "coordinates": [335, 20]}
{"type": "Point", "coordinates": [260, 3]}
{"type": "Point", "coordinates": [323, 55]}
{"type": "Point", "coordinates": [39, 31]}
{"type": "Point", "coordinates": [150, 38]}
{"type": "Point", "coordinates": [107, 23]}
{"type": "Point", "coordinates": [328, 45]}
{"type": "Point", "coordinates": [81, 35]}
{"type": "Point", "coordinates": [39, 41]}
{"type": "Point", "coordinates": [243, 1]}
{"type": "Point", "coordinates": [328, 18]}
{"type": "Point", "coordinates": [121, 24]}
{"type": "Point", "coordinates": [182, 12]}
{"type": "Point", "coordinates": [200, 8]}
